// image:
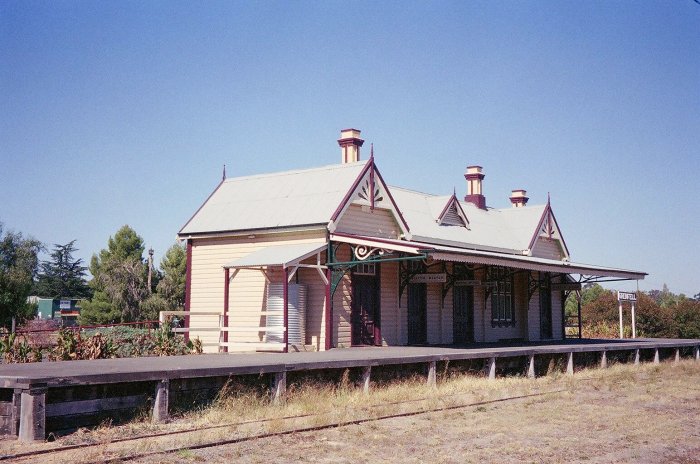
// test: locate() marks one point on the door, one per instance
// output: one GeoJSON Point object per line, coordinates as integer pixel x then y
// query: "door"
{"type": "Point", "coordinates": [463, 314]}
{"type": "Point", "coordinates": [417, 314]}
{"type": "Point", "coordinates": [365, 310]}
{"type": "Point", "coordinates": [545, 307]}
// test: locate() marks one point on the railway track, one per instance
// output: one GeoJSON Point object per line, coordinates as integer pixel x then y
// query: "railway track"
{"type": "Point", "coordinates": [146, 445]}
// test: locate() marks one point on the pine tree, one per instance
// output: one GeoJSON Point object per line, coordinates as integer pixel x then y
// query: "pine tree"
{"type": "Point", "coordinates": [62, 276]}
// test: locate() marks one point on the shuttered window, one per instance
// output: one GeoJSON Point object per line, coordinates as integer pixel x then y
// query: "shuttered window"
{"type": "Point", "coordinates": [502, 298]}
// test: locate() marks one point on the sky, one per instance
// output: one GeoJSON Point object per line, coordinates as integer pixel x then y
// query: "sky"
{"type": "Point", "coordinates": [116, 113]}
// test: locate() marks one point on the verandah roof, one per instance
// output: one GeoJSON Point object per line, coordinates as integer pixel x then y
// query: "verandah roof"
{"type": "Point", "coordinates": [278, 255]}
{"type": "Point", "coordinates": [446, 253]}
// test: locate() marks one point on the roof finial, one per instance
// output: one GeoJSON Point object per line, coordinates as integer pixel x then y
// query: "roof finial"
{"type": "Point", "coordinates": [548, 199]}
{"type": "Point", "coordinates": [223, 176]}
{"type": "Point", "coordinates": [371, 151]}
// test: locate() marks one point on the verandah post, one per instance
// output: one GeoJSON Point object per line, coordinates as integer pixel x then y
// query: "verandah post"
{"type": "Point", "coordinates": [328, 308]}
{"type": "Point", "coordinates": [285, 315]}
{"type": "Point", "coordinates": [227, 285]}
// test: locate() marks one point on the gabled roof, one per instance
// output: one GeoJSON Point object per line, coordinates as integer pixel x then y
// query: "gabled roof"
{"type": "Point", "coordinates": [319, 197]}
{"type": "Point", "coordinates": [507, 230]}
{"type": "Point", "coordinates": [452, 214]}
{"type": "Point", "coordinates": [284, 199]}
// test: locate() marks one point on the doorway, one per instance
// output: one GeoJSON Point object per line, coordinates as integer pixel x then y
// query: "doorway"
{"type": "Point", "coordinates": [545, 307]}
{"type": "Point", "coordinates": [365, 311]}
{"type": "Point", "coordinates": [463, 314]}
{"type": "Point", "coordinates": [417, 314]}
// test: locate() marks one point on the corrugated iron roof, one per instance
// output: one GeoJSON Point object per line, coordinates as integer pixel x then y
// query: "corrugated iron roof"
{"type": "Point", "coordinates": [284, 199]}
{"type": "Point", "coordinates": [276, 255]}
{"type": "Point", "coordinates": [506, 230]}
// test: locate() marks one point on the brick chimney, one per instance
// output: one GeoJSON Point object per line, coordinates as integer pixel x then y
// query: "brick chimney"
{"type": "Point", "coordinates": [350, 143]}
{"type": "Point", "coordinates": [518, 198]}
{"type": "Point", "coordinates": [474, 176]}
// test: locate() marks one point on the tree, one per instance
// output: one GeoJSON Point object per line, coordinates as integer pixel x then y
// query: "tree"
{"type": "Point", "coordinates": [62, 276]}
{"type": "Point", "coordinates": [119, 280]}
{"type": "Point", "coordinates": [172, 286]}
{"type": "Point", "coordinates": [18, 267]}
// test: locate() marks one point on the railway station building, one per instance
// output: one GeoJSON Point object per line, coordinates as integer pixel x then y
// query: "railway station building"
{"type": "Point", "coordinates": [333, 257]}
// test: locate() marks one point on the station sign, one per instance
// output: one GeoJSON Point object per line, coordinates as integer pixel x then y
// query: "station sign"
{"type": "Point", "coordinates": [64, 304]}
{"type": "Point", "coordinates": [468, 283]}
{"type": "Point", "coordinates": [626, 296]}
{"type": "Point", "coordinates": [430, 278]}
{"type": "Point", "coordinates": [566, 286]}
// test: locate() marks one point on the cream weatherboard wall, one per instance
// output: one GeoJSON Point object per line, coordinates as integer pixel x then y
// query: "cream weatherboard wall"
{"type": "Point", "coordinates": [360, 220]}
{"type": "Point", "coordinates": [389, 303]}
{"type": "Point", "coordinates": [546, 247]}
{"type": "Point", "coordinates": [247, 290]}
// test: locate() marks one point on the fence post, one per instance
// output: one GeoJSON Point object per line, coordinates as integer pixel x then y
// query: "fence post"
{"type": "Point", "coordinates": [531, 367]}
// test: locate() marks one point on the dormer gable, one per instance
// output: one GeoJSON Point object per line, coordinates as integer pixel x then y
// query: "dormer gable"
{"type": "Point", "coordinates": [548, 238]}
{"type": "Point", "coordinates": [370, 192]}
{"type": "Point", "coordinates": [453, 214]}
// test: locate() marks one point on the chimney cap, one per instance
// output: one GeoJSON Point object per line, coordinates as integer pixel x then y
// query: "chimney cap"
{"type": "Point", "coordinates": [350, 134]}
{"type": "Point", "coordinates": [519, 198]}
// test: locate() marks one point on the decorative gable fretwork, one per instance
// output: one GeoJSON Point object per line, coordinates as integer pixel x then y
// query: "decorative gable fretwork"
{"type": "Point", "coordinates": [370, 191]}
{"type": "Point", "coordinates": [548, 230]}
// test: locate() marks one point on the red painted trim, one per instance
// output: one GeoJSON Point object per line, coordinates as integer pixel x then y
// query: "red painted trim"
{"type": "Point", "coordinates": [227, 285]}
{"type": "Point", "coordinates": [329, 311]}
{"type": "Point", "coordinates": [188, 286]}
{"type": "Point", "coordinates": [548, 212]}
{"type": "Point", "coordinates": [563, 242]}
{"type": "Point", "coordinates": [378, 311]}
{"type": "Point", "coordinates": [285, 314]}
{"type": "Point", "coordinates": [349, 193]}
{"type": "Point", "coordinates": [391, 198]}
{"type": "Point", "coordinates": [369, 166]}
{"type": "Point", "coordinates": [202, 205]}
{"type": "Point", "coordinates": [371, 182]}
{"type": "Point", "coordinates": [379, 240]}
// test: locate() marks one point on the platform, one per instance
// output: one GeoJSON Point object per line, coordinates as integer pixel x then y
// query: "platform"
{"type": "Point", "coordinates": [25, 386]}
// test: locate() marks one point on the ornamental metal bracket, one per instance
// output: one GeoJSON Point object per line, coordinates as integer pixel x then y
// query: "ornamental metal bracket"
{"type": "Point", "coordinates": [367, 253]}
{"type": "Point", "coordinates": [337, 274]}
{"type": "Point", "coordinates": [459, 272]}
{"type": "Point", "coordinates": [533, 285]}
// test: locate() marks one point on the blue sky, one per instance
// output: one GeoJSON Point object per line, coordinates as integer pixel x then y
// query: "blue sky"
{"type": "Point", "coordinates": [124, 112]}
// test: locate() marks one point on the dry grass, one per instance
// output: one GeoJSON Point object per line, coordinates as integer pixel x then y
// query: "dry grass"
{"type": "Point", "coordinates": [647, 413]}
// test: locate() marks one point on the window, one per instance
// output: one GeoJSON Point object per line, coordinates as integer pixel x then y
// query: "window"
{"type": "Point", "coordinates": [502, 298]}
{"type": "Point", "coordinates": [366, 269]}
